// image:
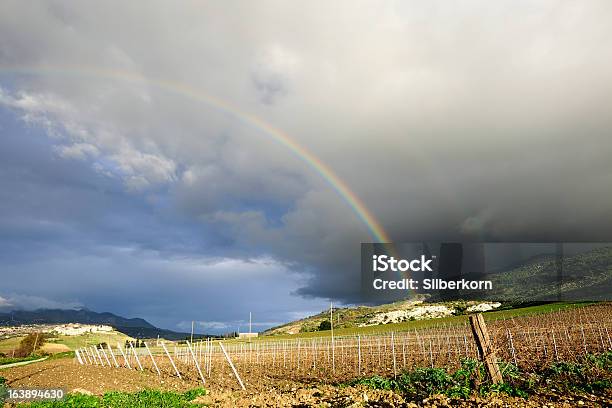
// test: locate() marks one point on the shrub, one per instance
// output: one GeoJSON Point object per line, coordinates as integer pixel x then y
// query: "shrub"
{"type": "Point", "coordinates": [592, 375]}
{"type": "Point", "coordinates": [30, 343]}
{"type": "Point", "coordinates": [423, 382]}
{"type": "Point", "coordinates": [325, 325]}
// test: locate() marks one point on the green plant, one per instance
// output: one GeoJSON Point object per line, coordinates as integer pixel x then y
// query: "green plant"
{"type": "Point", "coordinates": [325, 325]}
{"type": "Point", "coordinates": [3, 390]}
{"type": "Point", "coordinates": [115, 399]}
{"type": "Point", "coordinates": [593, 374]}
{"type": "Point", "coordinates": [505, 388]}
{"type": "Point", "coordinates": [460, 309]}
{"type": "Point", "coordinates": [423, 382]}
{"type": "Point", "coordinates": [193, 394]}
{"type": "Point", "coordinates": [377, 382]}
{"type": "Point", "coordinates": [10, 360]}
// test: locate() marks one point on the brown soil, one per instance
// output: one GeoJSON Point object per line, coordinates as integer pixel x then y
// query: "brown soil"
{"type": "Point", "coordinates": [262, 390]}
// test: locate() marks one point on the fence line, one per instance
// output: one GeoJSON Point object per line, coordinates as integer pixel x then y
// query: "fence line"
{"type": "Point", "coordinates": [526, 342]}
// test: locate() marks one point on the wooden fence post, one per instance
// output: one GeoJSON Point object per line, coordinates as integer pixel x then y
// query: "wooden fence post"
{"type": "Point", "coordinates": [483, 343]}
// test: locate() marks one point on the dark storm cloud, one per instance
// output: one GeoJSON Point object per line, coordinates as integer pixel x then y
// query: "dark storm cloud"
{"type": "Point", "coordinates": [71, 237]}
{"type": "Point", "coordinates": [486, 120]}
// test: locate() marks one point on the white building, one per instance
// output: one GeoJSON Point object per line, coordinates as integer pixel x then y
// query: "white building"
{"type": "Point", "coordinates": [247, 335]}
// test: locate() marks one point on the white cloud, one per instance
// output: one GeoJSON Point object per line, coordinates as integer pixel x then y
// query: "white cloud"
{"type": "Point", "coordinates": [35, 103]}
{"type": "Point", "coordinates": [79, 151]}
{"type": "Point", "coordinates": [4, 303]}
{"type": "Point", "coordinates": [87, 140]}
{"type": "Point", "coordinates": [144, 169]}
{"type": "Point", "coordinates": [233, 325]}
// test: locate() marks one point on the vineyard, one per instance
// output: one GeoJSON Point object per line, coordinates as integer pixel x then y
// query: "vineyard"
{"type": "Point", "coordinates": [528, 342]}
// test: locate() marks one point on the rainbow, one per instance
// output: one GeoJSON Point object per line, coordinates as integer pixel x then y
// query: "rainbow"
{"type": "Point", "coordinates": [376, 230]}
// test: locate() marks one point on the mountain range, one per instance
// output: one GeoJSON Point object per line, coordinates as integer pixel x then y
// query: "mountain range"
{"type": "Point", "coordinates": [133, 327]}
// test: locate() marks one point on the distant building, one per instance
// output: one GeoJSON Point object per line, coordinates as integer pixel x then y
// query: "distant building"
{"type": "Point", "coordinates": [247, 335]}
{"type": "Point", "coordinates": [76, 329]}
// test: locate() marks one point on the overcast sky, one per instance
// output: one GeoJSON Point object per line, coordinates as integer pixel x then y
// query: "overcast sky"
{"type": "Point", "coordinates": [127, 185]}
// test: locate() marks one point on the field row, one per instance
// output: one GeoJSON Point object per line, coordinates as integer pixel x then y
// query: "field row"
{"type": "Point", "coordinates": [567, 335]}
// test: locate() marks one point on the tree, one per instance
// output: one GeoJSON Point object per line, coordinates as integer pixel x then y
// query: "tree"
{"type": "Point", "coordinates": [30, 343]}
{"type": "Point", "coordinates": [325, 325]}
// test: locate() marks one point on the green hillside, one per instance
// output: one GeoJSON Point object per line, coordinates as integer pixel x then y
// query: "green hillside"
{"type": "Point", "coordinates": [347, 328]}
{"type": "Point", "coordinates": [586, 276]}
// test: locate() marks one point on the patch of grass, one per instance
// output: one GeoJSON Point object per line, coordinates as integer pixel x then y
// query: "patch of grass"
{"type": "Point", "coordinates": [586, 376]}
{"type": "Point", "coordinates": [72, 342]}
{"type": "Point", "coordinates": [423, 382]}
{"type": "Point", "coordinates": [88, 339]}
{"type": "Point", "coordinates": [3, 390]}
{"type": "Point", "coordinates": [10, 360]}
{"type": "Point", "coordinates": [64, 354]}
{"type": "Point", "coordinates": [114, 399]}
{"type": "Point", "coordinates": [8, 345]}
{"type": "Point", "coordinates": [593, 375]}
{"type": "Point", "coordinates": [418, 324]}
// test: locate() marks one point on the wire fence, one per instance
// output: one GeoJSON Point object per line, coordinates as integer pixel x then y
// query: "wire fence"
{"type": "Point", "coordinates": [527, 342]}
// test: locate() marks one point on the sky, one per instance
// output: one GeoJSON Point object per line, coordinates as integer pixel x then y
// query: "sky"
{"type": "Point", "coordinates": [153, 155]}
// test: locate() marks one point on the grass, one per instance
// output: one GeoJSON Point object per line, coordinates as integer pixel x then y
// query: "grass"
{"type": "Point", "coordinates": [64, 354]}
{"type": "Point", "coordinates": [592, 375]}
{"type": "Point", "coordinates": [114, 399]}
{"type": "Point", "coordinates": [74, 342]}
{"type": "Point", "coordinates": [427, 323]}
{"type": "Point", "coordinates": [8, 345]}
{"type": "Point", "coordinates": [10, 360]}
{"type": "Point", "coordinates": [3, 390]}
{"type": "Point", "coordinates": [424, 382]}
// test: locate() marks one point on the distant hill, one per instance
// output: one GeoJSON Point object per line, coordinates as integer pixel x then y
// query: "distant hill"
{"type": "Point", "coordinates": [417, 308]}
{"type": "Point", "coordinates": [134, 327]}
{"type": "Point", "coordinates": [586, 276]}
{"type": "Point", "coordinates": [51, 316]}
